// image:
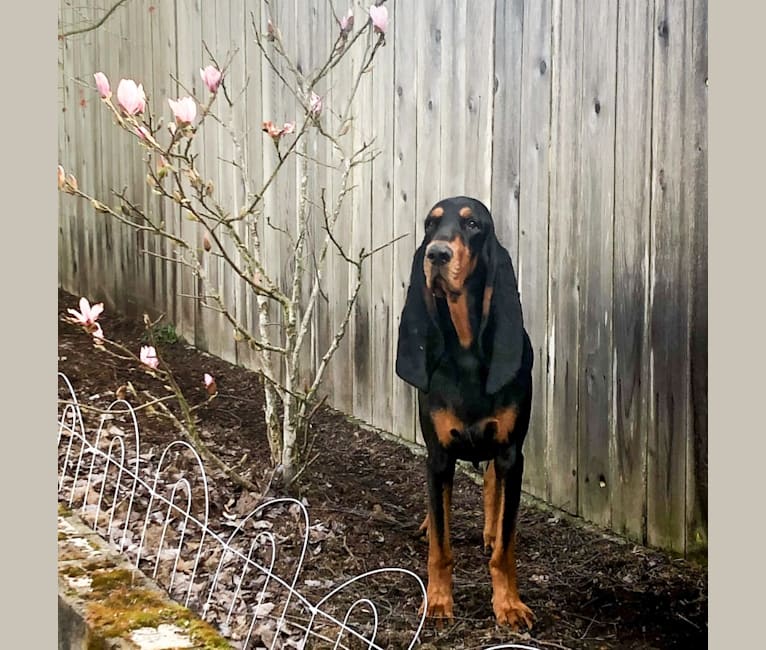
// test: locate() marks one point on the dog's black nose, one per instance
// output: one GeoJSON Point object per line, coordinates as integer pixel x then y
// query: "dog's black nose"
{"type": "Point", "coordinates": [439, 253]}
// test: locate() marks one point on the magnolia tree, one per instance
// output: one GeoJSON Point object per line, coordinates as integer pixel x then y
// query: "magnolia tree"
{"type": "Point", "coordinates": [175, 175]}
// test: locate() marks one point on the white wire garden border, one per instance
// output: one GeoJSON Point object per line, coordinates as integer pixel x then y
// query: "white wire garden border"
{"type": "Point", "coordinates": [83, 458]}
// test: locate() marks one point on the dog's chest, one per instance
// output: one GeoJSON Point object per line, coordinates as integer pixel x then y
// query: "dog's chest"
{"type": "Point", "coordinates": [459, 382]}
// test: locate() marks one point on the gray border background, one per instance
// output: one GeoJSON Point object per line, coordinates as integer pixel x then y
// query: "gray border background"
{"type": "Point", "coordinates": [28, 369]}
{"type": "Point", "coordinates": [737, 236]}
{"type": "Point", "coordinates": [736, 317]}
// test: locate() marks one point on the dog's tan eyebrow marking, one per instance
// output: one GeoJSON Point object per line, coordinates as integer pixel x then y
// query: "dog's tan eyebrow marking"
{"type": "Point", "coordinates": [437, 212]}
{"type": "Point", "coordinates": [465, 212]}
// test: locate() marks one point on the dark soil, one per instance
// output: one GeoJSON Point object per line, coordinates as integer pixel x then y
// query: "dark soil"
{"type": "Point", "coordinates": [587, 590]}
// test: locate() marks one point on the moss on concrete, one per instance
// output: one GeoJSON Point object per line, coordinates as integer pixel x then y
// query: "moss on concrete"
{"type": "Point", "coordinates": [116, 606]}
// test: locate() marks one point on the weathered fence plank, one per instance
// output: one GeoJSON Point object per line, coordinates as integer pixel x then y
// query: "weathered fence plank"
{"type": "Point", "coordinates": [596, 253]}
{"type": "Point", "coordinates": [452, 167]}
{"type": "Point", "coordinates": [361, 238]}
{"type": "Point", "coordinates": [382, 213]}
{"type": "Point", "coordinates": [189, 49]}
{"type": "Point", "coordinates": [631, 267]}
{"type": "Point", "coordinates": [407, 208]}
{"type": "Point", "coordinates": [695, 185]}
{"type": "Point", "coordinates": [532, 261]}
{"type": "Point", "coordinates": [565, 227]}
{"type": "Point", "coordinates": [477, 99]}
{"type": "Point", "coordinates": [506, 123]}
{"type": "Point", "coordinates": [669, 307]}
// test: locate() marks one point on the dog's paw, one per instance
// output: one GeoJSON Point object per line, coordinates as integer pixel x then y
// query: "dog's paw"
{"type": "Point", "coordinates": [512, 612]}
{"type": "Point", "coordinates": [439, 603]}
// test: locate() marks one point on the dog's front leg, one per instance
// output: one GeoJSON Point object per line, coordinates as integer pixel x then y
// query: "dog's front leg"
{"type": "Point", "coordinates": [441, 470]}
{"type": "Point", "coordinates": [506, 602]}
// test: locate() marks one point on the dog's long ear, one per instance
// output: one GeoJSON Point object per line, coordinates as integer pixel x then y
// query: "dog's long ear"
{"type": "Point", "coordinates": [501, 334]}
{"type": "Point", "coordinates": [420, 340]}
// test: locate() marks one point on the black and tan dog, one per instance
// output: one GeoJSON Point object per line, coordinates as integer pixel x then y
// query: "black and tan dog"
{"type": "Point", "coordinates": [462, 344]}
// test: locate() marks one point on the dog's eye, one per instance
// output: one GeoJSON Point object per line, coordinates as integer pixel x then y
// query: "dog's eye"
{"type": "Point", "coordinates": [429, 224]}
{"type": "Point", "coordinates": [472, 224]}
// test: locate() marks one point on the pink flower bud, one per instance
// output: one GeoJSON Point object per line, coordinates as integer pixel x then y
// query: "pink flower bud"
{"type": "Point", "coordinates": [98, 334]}
{"type": "Point", "coordinates": [347, 23]}
{"type": "Point", "coordinates": [210, 386]}
{"type": "Point", "coordinates": [148, 356]}
{"type": "Point", "coordinates": [142, 132]}
{"type": "Point", "coordinates": [211, 77]}
{"type": "Point", "coordinates": [289, 127]}
{"type": "Point", "coordinates": [315, 104]}
{"type": "Point", "coordinates": [102, 83]}
{"type": "Point", "coordinates": [379, 17]}
{"type": "Point", "coordinates": [184, 110]}
{"type": "Point", "coordinates": [61, 177]}
{"type": "Point", "coordinates": [131, 97]}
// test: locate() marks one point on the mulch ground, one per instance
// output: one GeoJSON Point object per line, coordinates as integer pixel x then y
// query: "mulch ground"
{"type": "Point", "coordinates": [587, 589]}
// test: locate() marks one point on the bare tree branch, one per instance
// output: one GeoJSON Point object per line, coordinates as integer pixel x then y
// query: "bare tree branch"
{"type": "Point", "coordinates": [96, 25]}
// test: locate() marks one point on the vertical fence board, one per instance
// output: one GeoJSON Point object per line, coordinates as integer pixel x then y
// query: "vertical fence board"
{"type": "Point", "coordinates": [306, 55]}
{"type": "Point", "coordinates": [153, 245]}
{"type": "Point", "coordinates": [695, 186]}
{"type": "Point", "coordinates": [211, 321]}
{"type": "Point", "coordinates": [324, 39]}
{"type": "Point", "coordinates": [361, 238]}
{"type": "Point", "coordinates": [532, 261]}
{"type": "Point", "coordinates": [407, 207]}
{"type": "Point", "coordinates": [506, 123]}
{"type": "Point", "coordinates": [382, 110]}
{"type": "Point", "coordinates": [188, 53]}
{"type": "Point", "coordinates": [226, 186]}
{"type": "Point", "coordinates": [597, 208]}
{"type": "Point", "coordinates": [66, 248]}
{"type": "Point", "coordinates": [666, 471]}
{"type": "Point", "coordinates": [631, 267]}
{"type": "Point", "coordinates": [565, 227]}
{"type": "Point", "coordinates": [477, 100]}
{"type": "Point", "coordinates": [241, 124]}
{"type": "Point", "coordinates": [256, 142]}
{"type": "Point", "coordinates": [339, 276]}
{"type": "Point", "coordinates": [452, 85]}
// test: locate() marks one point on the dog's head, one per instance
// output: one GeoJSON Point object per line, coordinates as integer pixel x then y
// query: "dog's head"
{"type": "Point", "coordinates": [456, 231]}
{"type": "Point", "coordinates": [459, 241]}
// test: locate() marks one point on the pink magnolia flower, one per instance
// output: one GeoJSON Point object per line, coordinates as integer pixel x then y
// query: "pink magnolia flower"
{"type": "Point", "coordinates": [315, 104]}
{"type": "Point", "coordinates": [276, 132]}
{"type": "Point", "coordinates": [88, 315]}
{"type": "Point", "coordinates": [379, 17]}
{"type": "Point", "coordinates": [131, 97]}
{"type": "Point", "coordinates": [102, 83]}
{"type": "Point", "coordinates": [148, 356]}
{"type": "Point", "coordinates": [347, 23]}
{"type": "Point", "coordinates": [184, 110]}
{"type": "Point", "coordinates": [210, 386]}
{"type": "Point", "coordinates": [211, 76]}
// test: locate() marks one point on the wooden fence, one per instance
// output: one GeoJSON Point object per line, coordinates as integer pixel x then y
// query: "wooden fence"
{"type": "Point", "coordinates": [582, 125]}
